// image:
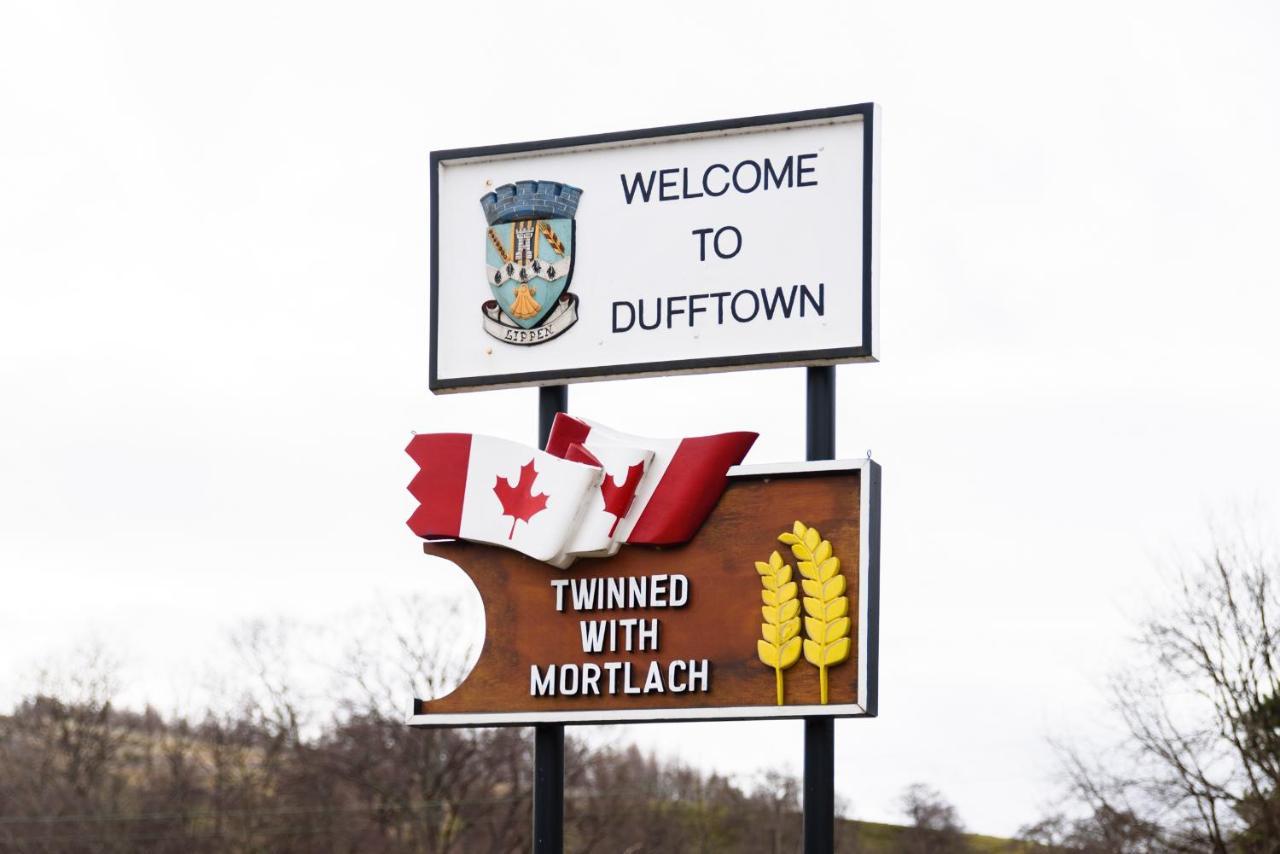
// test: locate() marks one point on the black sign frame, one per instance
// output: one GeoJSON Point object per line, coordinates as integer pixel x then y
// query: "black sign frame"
{"type": "Point", "coordinates": [865, 352]}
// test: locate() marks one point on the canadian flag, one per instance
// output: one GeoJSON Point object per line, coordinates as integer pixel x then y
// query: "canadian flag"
{"type": "Point", "coordinates": [490, 490]}
{"type": "Point", "coordinates": [592, 490]}
{"type": "Point", "coordinates": [675, 492]}
{"type": "Point", "coordinates": [624, 468]}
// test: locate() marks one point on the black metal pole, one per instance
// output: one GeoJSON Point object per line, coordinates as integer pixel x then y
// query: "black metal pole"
{"type": "Point", "coordinates": [819, 785]}
{"type": "Point", "coordinates": [820, 413]}
{"type": "Point", "coordinates": [548, 739]}
{"type": "Point", "coordinates": [820, 733]}
{"type": "Point", "coordinates": [551, 399]}
{"type": "Point", "coordinates": [548, 789]}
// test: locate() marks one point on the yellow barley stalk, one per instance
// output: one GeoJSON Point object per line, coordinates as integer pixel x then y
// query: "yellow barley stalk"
{"type": "Point", "coordinates": [497, 244]}
{"type": "Point", "coordinates": [826, 606]}
{"type": "Point", "coordinates": [780, 647]}
{"type": "Point", "coordinates": [552, 238]}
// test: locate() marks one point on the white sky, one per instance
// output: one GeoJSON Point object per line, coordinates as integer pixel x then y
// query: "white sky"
{"type": "Point", "coordinates": [213, 325]}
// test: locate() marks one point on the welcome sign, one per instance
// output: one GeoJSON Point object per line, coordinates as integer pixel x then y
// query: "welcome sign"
{"type": "Point", "coordinates": [725, 245]}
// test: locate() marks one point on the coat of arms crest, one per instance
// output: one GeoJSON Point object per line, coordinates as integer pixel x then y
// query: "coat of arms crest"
{"type": "Point", "coordinates": [528, 250]}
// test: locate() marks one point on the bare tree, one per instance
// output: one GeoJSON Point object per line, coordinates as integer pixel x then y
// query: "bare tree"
{"type": "Point", "coordinates": [414, 647]}
{"type": "Point", "coordinates": [1103, 831]}
{"type": "Point", "coordinates": [271, 767]}
{"type": "Point", "coordinates": [1199, 768]}
{"type": "Point", "coordinates": [60, 758]}
{"type": "Point", "coordinates": [780, 794]}
{"type": "Point", "coordinates": [934, 826]}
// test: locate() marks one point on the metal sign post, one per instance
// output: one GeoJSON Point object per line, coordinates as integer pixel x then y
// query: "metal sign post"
{"type": "Point", "coordinates": [548, 789]}
{"type": "Point", "coordinates": [548, 739]}
{"type": "Point", "coordinates": [819, 732]}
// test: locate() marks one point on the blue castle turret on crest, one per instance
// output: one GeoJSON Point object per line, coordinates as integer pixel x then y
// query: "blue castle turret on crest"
{"type": "Point", "coordinates": [530, 200]}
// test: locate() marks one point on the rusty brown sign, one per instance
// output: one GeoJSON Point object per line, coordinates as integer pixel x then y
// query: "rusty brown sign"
{"type": "Point", "coordinates": [768, 612]}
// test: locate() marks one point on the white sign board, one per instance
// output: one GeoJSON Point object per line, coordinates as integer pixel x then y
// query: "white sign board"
{"type": "Point", "coordinates": [747, 243]}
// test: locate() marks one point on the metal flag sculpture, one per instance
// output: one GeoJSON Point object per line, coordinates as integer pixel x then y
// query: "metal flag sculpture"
{"type": "Point", "coordinates": [592, 490]}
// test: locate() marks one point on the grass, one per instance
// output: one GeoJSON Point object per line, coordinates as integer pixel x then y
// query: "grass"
{"type": "Point", "coordinates": [877, 838]}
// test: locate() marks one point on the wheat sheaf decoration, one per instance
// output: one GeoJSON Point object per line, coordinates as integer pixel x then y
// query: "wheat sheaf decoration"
{"type": "Point", "coordinates": [826, 607]}
{"type": "Point", "coordinates": [552, 238]}
{"type": "Point", "coordinates": [780, 647]}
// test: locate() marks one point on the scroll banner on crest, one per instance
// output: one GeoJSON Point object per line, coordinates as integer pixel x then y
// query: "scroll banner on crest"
{"type": "Point", "coordinates": [591, 491]}
{"type": "Point", "coordinates": [564, 315]}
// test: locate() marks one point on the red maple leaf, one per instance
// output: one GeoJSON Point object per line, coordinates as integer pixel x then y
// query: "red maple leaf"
{"type": "Point", "coordinates": [518, 501]}
{"type": "Point", "coordinates": [617, 499]}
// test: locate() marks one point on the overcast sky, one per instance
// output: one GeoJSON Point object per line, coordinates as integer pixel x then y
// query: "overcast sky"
{"type": "Point", "coordinates": [213, 330]}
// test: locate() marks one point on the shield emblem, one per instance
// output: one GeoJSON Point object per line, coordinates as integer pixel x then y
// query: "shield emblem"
{"type": "Point", "coordinates": [528, 264]}
{"type": "Point", "coordinates": [528, 261]}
